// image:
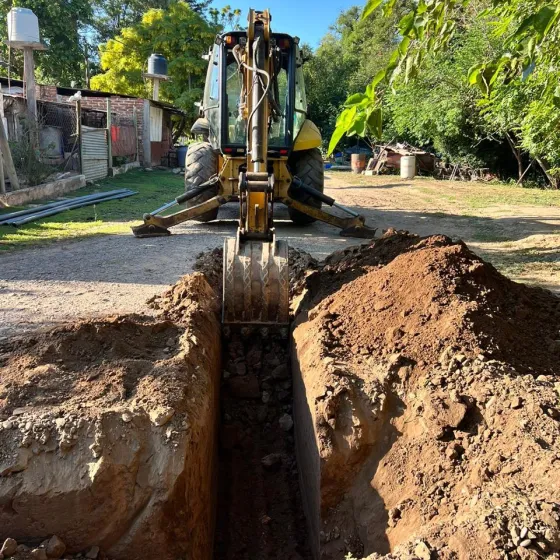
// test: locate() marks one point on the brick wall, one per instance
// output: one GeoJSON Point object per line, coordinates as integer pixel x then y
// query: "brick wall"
{"type": "Point", "coordinates": [119, 105]}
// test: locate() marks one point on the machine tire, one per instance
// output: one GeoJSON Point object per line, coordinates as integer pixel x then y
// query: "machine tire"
{"type": "Point", "coordinates": [201, 162]}
{"type": "Point", "coordinates": [308, 166]}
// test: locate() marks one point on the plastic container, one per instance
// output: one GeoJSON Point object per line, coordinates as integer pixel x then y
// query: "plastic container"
{"type": "Point", "coordinates": [408, 167]}
{"type": "Point", "coordinates": [23, 26]}
{"type": "Point", "coordinates": [181, 155]}
{"type": "Point", "coordinates": [157, 64]}
{"type": "Point", "coordinates": [358, 162]}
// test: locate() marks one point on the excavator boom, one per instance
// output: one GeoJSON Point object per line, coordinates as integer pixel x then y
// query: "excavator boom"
{"type": "Point", "coordinates": [256, 279]}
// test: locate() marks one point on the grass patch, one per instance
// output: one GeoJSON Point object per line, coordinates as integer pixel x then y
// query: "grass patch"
{"type": "Point", "coordinates": [511, 195]}
{"type": "Point", "coordinates": [116, 216]}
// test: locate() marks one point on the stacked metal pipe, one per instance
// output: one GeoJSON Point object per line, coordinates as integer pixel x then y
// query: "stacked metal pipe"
{"type": "Point", "coordinates": [22, 217]}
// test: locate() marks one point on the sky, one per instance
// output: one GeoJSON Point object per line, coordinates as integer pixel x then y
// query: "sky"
{"type": "Point", "coordinates": [307, 19]}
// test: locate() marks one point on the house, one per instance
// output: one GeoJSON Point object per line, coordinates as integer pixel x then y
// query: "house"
{"type": "Point", "coordinates": [152, 120]}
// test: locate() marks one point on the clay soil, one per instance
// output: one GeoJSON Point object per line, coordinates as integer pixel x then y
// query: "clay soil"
{"type": "Point", "coordinates": [432, 390]}
{"type": "Point", "coordinates": [433, 387]}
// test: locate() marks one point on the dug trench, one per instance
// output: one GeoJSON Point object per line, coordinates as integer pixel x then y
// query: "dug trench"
{"type": "Point", "coordinates": [412, 413]}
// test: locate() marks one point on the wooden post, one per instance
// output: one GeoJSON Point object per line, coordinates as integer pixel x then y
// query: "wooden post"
{"type": "Point", "coordinates": [2, 178]}
{"type": "Point", "coordinates": [8, 161]}
{"type": "Point", "coordinates": [79, 132]}
{"type": "Point", "coordinates": [109, 135]}
{"type": "Point", "coordinates": [135, 121]}
{"type": "Point", "coordinates": [29, 76]}
{"type": "Point", "coordinates": [146, 141]}
{"type": "Point", "coordinates": [156, 89]}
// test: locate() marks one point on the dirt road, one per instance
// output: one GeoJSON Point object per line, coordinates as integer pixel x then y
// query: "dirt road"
{"type": "Point", "coordinates": [109, 274]}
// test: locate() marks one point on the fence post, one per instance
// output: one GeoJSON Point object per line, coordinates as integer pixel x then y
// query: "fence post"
{"type": "Point", "coordinates": [79, 132]}
{"type": "Point", "coordinates": [109, 135]}
{"type": "Point", "coordinates": [135, 121]}
{"type": "Point", "coordinates": [2, 180]}
{"type": "Point", "coordinates": [6, 154]}
{"type": "Point", "coordinates": [146, 141]}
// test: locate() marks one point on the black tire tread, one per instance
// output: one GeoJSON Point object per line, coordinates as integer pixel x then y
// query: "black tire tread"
{"type": "Point", "coordinates": [308, 166]}
{"type": "Point", "coordinates": [201, 163]}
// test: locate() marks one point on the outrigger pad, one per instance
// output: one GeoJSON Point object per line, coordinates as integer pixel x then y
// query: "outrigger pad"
{"type": "Point", "coordinates": [146, 230]}
{"type": "Point", "coordinates": [363, 232]}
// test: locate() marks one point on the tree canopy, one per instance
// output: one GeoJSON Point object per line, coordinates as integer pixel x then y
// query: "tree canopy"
{"type": "Point", "coordinates": [179, 33]}
{"type": "Point", "coordinates": [501, 63]}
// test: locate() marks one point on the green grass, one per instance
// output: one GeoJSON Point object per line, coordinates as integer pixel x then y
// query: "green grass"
{"type": "Point", "coordinates": [116, 216]}
{"type": "Point", "coordinates": [511, 195]}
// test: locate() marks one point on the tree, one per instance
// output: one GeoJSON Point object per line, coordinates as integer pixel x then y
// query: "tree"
{"type": "Point", "coordinates": [226, 18]}
{"type": "Point", "coordinates": [527, 64]}
{"type": "Point", "coordinates": [112, 16]}
{"type": "Point", "coordinates": [348, 56]}
{"type": "Point", "coordinates": [180, 34]}
{"type": "Point", "coordinates": [61, 24]}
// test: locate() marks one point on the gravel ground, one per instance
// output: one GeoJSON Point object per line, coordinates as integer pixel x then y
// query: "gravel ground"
{"type": "Point", "coordinates": [97, 276]}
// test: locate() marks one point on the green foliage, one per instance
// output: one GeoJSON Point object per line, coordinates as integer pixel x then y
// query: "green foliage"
{"type": "Point", "coordinates": [361, 117]}
{"type": "Point", "coordinates": [61, 22]}
{"type": "Point", "coordinates": [519, 80]}
{"type": "Point", "coordinates": [439, 108]}
{"type": "Point", "coordinates": [226, 18]}
{"type": "Point", "coordinates": [112, 16]}
{"type": "Point", "coordinates": [180, 34]}
{"type": "Point", "coordinates": [349, 55]}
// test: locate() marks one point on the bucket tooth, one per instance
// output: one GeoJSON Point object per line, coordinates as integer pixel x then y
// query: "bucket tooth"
{"type": "Point", "coordinates": [148, 230]}
{"type": "Point", "coordinates": [256, 283]}
{"type": "Point", "coordinates": [361, 232]}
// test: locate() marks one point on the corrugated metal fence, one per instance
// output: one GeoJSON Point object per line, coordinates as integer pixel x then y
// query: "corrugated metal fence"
{"type": "Point", "coordinates": [95, 153]}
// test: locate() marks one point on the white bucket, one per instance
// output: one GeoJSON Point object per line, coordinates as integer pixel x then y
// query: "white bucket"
{"type": "Point", "coordinates": [408, 167]}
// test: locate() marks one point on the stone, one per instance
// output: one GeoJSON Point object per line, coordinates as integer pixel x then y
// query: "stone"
{"type": "Point", "coordinates": [55, 547]}
{"type": "Point", "coordinates": [126, 417]}
{"type": "Point", "coordinates": [422, 551]}
{"type": "Point", "coordinates": [93, 552]}
{"type": "Point", "coordinates": [281, 372]}
{"type": "Point", "coordinates": [272, 461]}
{"type": "Point", "coordinates": [161, 415]}
{"type": "Point", "coordinates": [39, 554]}
{"type": "Point", "coordinates": [516, 402]}
{"type": "Point", "coordinates": [9, 547]}
{"type": "Point", "coordinates": [246, 387]}
{"type": "Point", "coordinates": [286, 422]}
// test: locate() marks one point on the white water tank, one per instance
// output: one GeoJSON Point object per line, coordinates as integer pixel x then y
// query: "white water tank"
{"type": "Point", "coordinates": [408, 167]}
{"type": "Point", "coordinates": [23, 26]}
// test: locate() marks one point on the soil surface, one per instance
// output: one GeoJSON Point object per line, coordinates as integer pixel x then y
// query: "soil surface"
{"type": "Point", "coordinates": [434, 385]}
{"type": "Point", "coordinates": [107, 431]}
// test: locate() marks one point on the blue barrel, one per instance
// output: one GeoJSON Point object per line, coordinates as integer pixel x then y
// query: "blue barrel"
{"type": "Point", "coordinates": [157, 64]}
{"type": "Point", "coordinates": [181, 155]}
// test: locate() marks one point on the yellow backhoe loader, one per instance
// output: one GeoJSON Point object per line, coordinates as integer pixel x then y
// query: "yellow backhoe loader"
{"type": "Point", "coordinates": [259, 149]}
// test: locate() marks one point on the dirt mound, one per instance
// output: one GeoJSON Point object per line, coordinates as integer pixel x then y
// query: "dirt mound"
{"type": "Point", "coordinates": [107, 432]}
{"type": "Point", "coordinates": [427, 293]}
{"type": "Point", "coordinates": [93, 363]}
{"type": "Point", "coordinates": [173, 303]}
{"type": "Point", "coordinates": [429, 383]}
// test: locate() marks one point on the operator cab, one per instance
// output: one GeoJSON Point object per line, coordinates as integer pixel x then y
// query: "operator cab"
{"type": "Point", "coordinates": [224, 93]}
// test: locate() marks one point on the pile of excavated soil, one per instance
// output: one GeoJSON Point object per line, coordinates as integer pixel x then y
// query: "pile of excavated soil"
{"type": "Point", "coordinates": [172, 303]}
{"type": "Point", "coordinates": [107, 432]}
{"type": "Point", "coordinates": [427, 410]}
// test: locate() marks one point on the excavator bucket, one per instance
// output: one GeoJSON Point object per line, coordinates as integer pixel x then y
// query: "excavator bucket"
{"type": "Point", "coordinates": [256, 283]}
